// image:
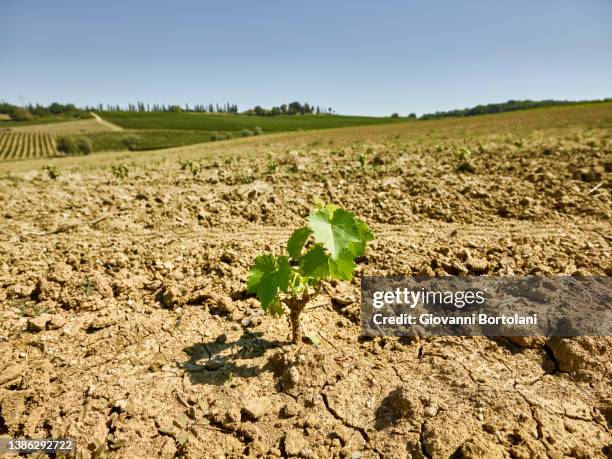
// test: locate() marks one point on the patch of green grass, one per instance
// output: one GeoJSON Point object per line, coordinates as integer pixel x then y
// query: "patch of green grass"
{"type": "Point", "coordinates": [237, 123]}
{"type": "Point", "coordinates": [42, 120]}
{"type": "Point", "coordinates": [146, 140]}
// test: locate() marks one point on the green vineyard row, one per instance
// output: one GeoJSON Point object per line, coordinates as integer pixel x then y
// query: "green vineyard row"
{"type": "Point", "coordinates": [26, 145]}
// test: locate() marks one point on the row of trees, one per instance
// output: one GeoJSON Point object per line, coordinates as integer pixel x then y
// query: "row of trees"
{"type": "Point", "coordinates": [293, 108]}
{"type": "Point", "coordinates": [70, 110]}
{"type": "Point", "coordinates": [31, 111]}
{"type": "Point", "coordinates": [142, 107]}
{"type": "Point", "coordinates": [509, 106]}
{"type": "Point", "coordinates": [411, 116]}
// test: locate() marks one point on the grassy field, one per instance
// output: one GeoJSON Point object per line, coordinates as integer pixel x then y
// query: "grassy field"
{"type": "Point", "coordinates": [236, 123]}
{"type": "Point", "coordinates": [154, 131]}
{"type": "Point", "coordinates": [23, 145]}
{"type": "Point", "coordinates": [68, 127]}
{"type": "Point", "coordinates": [24, 141]}
{"type": "Point", "coordinates": [6, 122]}
{"type": "Point", "coordinates": [184, 129]}
{"type": "Point", "coordinates": [157, 139]}
{"type": "Point", "coordinates": [426, 136]}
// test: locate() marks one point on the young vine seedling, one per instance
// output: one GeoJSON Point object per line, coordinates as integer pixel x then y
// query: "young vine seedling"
{"type": "Point", "coordinates": [325, 249]}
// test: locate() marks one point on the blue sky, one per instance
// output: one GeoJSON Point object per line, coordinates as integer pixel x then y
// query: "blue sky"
{"type": "Point", "coordinates": [374, 57]}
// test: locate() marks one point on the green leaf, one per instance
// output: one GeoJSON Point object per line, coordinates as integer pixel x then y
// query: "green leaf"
{"type": "Point", "coordinates": [315, 263]}
{"type": "Point", "coordinates": [268, 275]}
{"type": "Point", "coordinates": [334, 228]}
{"type": "Point", "coordinates": [343, 267]}
{"type": "Point", "coordinates": [297, 240]}
{"type": "Point", "coordinates": [365, 234]}
{"type": "Point", "coordinates": [319, 265]}
{"type": "Point", "coordinates": [276, 308]}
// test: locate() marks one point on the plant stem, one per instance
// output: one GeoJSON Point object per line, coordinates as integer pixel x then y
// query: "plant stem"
{"type": "Point", "coordinates": [296, 331]}
{"type": "Point", "coordinates": [296, 305]}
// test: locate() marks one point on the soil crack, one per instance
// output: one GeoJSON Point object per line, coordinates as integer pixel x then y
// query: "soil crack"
{"type": "Point", "coordinates": [333, 412]}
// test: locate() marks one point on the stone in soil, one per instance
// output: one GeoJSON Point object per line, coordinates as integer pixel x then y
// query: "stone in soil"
{"type": "Point", "coordinates": [256, 408]}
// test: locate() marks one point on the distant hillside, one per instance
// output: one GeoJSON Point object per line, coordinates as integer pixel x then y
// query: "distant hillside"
{"type": "Point", "coordinates": [510, 106]}
{"type": "Point", "coordinates": [236, 122]}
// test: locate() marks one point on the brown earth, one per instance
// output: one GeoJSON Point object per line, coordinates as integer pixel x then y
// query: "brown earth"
{"type": "Point", "coordinates": [125, 323]}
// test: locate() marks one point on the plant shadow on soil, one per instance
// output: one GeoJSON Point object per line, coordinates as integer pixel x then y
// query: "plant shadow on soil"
{"type": "Point", "coordinates": [385, 415]}
{"type": "Point", "coordinates": [211, 363]}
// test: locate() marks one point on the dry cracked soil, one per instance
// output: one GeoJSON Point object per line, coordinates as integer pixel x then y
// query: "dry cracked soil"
{"type": "Point", "coordinates": [125, 323]}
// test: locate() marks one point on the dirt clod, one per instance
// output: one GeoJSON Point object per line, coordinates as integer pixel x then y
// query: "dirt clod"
{"type": "Point", "coordinates": [171, 296]}
{"type": "Point", "coordinates": [37, 324]}
{"type": "Point", "coordinates": [295, 444]}
{"type": "Point", "coordinates": [256, 407]}
{"type": "Point", "coordinates": [404, 403]}
{"type": "Point", "coordinates": [477, 265]}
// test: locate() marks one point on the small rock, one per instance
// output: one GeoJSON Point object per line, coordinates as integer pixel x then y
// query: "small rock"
{"type": "Point", "coordinates": [121, 405]}
{"type": "Point", "coordinates": [56, 322]}
{"type": "Point", "coordinates": [101, 322]}
{"type": "Point", "coordinates": [229, 257]}
{"type": "Point", "coordinates": [256, 408]}
{"type": "Point", "coordinates": [312, 338]}
{"type": "Point", "coordinates": [295, 443]}
{"type": "Point", "coordinates": [466, 166]}
{"type": "Point", "coordinates": [591, 175]}
{"type": "Point", "coordinates": [157, 362]}
{"type": "Point", "coordinates": [344, 295]}
{"type": "Point", "coordinates": [570, 426]}
{"type": "Point", "coordinates": [289, 410]}
{"type": "Point", "coordinates": [477, 265]}
{"type": "Point", "coordinates": [171, 296]}
{"type": "Point", "coordinates": [606, 409]}
{"type": "Point", "coordinates": [534, 342]}
{"type": "Point", "coordinates": [295, 162]}
{"type": "Point", "coordinates": [221, 339]}
{"type": "Point", "coordinates": [294, 375]}
{"type": "Point", "coordinates": [310, 399]}
{"type": "Point", "coordinates": [37, 324]}
{"type": "Point", "coordinates": [249, 320]}
{"type": "Point", "coordinates": [426, 271]}
{"type": "Point", "coordinates": [430, 411]}
{"type": "Point", "coordinates": [224, 304]}
{"type": "Point", "coordinates": [404, 403]}
{"type": "Point", "coordinates": [474, 449]}
{"type": "Point", "coordinates": [166, 429]}
{"type": "Point", "coordinates": [489, 428]}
